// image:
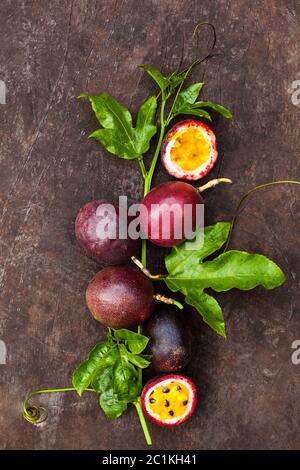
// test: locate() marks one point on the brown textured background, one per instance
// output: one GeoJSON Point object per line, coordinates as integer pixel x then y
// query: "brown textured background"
{"type": "Point", "coordinates": [49, 53]}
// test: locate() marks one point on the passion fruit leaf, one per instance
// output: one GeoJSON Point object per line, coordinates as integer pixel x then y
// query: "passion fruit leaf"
{"type": "Point", "coordinates": [112, 370]}
{"type": "Point", "coordinates": [196, 112]}
{"type": "Point", "coordinates": [166, 83]}
{"type": "Point", "coordinates": [111, 405]}
{"type": "Point", "coordinates": [190, 275]}
{"type": "Point", "coordinates": [100, 357]}
{"type": "Point", "coordinates": [217, 107]}
{"type": "Point", "coordinates": [135, 359]}
{"type": "Point", "coordinates": [187, 97]}
{"type": "Point", "coordinates": [157, 76]}
{"type": "Point", "coordinates": [209, 309]}
{"type": "Point", "coordinates": [118, 135]}
{"type": "Point", "coordinates": [135, 341]}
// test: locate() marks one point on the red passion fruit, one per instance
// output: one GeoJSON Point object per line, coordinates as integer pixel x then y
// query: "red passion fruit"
{"type": "Point", "coordinates": [164, 218]}
{"type": "Point", "coordinates": [106, 248]}
{"type": "Point", "coordinates": [189, 150]}
{"type": "Point", "coordinates": [120, 297]}
{"type": "Point", "coordinates": [169, 400]}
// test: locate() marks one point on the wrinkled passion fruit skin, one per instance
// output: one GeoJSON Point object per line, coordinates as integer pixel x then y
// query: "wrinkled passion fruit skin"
{"type": "Point", "coordinates": [156, 381]}
{"type": "Point", "coordinates": [120, 297]}
{"type": "Point", "coordinates": [165, 196]}
{"type": "Point", "coordinates": [105, 250]}
{"type": "Point", "coordinates": [170, 340]}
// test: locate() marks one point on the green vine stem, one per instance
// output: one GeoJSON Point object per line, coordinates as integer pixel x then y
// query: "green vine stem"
{"type": "Point", "coordinates": [144, 424]}
{"type": "Point", "coordinates": [256, 188]}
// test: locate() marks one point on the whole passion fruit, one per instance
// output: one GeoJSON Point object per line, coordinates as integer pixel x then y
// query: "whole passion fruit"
{"type": "Point", "coordinates": [189, 150]}
{"type": "Point", "coordinates": [169, 214]}
{"type": "Point", "coordinates": [97, 231]}
{"type": "Point", "coordinates": [120, 297]}
{"type": "Point", "coordinates": [169, 400]}
{"type": "Point", "coordinates": [170, 340]}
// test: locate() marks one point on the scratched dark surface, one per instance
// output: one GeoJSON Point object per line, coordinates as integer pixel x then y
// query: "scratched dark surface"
{"type": "Point", "coordinates": [49, 53]}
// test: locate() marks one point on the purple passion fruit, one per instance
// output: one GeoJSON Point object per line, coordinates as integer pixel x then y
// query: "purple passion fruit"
{"type": "Point", "coordinates": [170, 340]}
{"type": "Point", "coordinates": [189, 150]}
{"type": "Point", "coordinates": [164, 211]}
{"type": "Point", "coordinates": [169, 400]}
{"type": "Point", "coordinates": [120, 297]}
{"type": "Point", "coordinates": [102, 246]}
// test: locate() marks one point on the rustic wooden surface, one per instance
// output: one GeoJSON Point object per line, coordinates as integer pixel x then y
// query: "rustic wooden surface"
{"type": "Point", "coordinates": [50, 52]}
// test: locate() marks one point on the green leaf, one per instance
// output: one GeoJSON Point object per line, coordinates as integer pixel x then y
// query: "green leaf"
{"type": "Point", "coordinates": [145, 127]}
{"type": "Point", "coordinates": [112, 406]}
{"type": "Point", "coordinates": [118, 135]}
{"type": "Point", "coordinates": [190, 274]}
{"type": "Point", "coordinates": [112, 370]}
{"type": "Point", "coordinates": [117, 385]}
{"type": "Point", "coordinates": [166, 83]}
{"type": "Point", "coordinates": [187, 97]}
{"type": "Point", "coordinates": [217, 107]}
{"type": "Point", "coordinates": [99, 358]}
{"type": "Point", "coordinates": [135, 341]}
{"type": "Point", "coordinates": [209, 308]}
{"type": "Point", "coordinates": [135, 359]}
{"type": "Point", "coordinates": [196, 112]}
{"type": "Point", "coordinates": [157, 76]}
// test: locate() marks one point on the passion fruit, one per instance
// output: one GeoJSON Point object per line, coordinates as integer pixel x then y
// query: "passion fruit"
{"type": "Point", "coordinates": [120, 297]}
{"type": "Point", "coordinates": [162, 219]}
{"type": "Point", "coordinates": [170, 212]}
{"type": "Point", "coordinates": [169, 400]}
{"type": "Point", "coordinates": [170, 339]}
{"type": "Point", "coordinates": [189, 150]}
{"type": "Point", "coordinates": [105, 246]}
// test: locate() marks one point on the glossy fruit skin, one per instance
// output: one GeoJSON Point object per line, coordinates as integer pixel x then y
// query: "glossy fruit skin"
{"type": "Point", "coordinates": [170, 193]}
{"type": "Point", "coordinates": [170, 340]}
{"type": "Point", "coordinates": [120, 297]}
{"type": "Point", "coordinates": [156, 381]}
{"type": "Point", "coordinates": [106, 251]}
{"type": "Point", "coordinates": [175, 170]}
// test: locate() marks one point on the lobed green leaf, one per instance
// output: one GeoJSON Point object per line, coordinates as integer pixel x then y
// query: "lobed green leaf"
{"type": "Point", "coordinates": [190, 274]}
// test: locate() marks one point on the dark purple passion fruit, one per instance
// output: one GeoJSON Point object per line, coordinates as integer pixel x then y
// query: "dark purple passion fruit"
{"type": "Point", "coordinates": [120, 297]}
{"type": "Point", "coordinates": [99, 245]}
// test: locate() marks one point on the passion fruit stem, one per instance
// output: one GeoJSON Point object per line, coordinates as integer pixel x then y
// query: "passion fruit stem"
{"type": "Point", "coordinates": [144, 270]}
{"type": "Point", "coordinates": [36, 414]}
{"type": "Point", "coordinates": [167, 300]}
{"type": "Point", "coordinates": [143, 421]}
{"type": "Point", "coordinates": [213, 183]}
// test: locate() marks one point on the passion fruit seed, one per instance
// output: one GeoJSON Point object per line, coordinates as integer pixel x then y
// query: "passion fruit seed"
{"type": "Point", "coordinates": [166, 390]}
{"type": "Point", "coordinates": [167, 403]}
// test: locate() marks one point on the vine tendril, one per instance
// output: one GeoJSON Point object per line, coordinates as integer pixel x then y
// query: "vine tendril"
{"type": "Point", "coordinates": [36, 414]}
{"type": "Point", "coordinates": [209, 54]}
{"type": "Point", "coordinates": [256, 188]}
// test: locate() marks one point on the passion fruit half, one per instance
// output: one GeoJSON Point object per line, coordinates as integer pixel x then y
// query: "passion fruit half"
{"type": "Point", "coordinates": [189, 150]}
{"type": "Point", "coordinates": [169, 400]}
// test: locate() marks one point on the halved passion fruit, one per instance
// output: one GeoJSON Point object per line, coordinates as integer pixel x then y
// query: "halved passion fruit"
{"type": "Point", "coordinates": [189, 150]}
{"type": "Point", "coordinates": [169, 400]}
